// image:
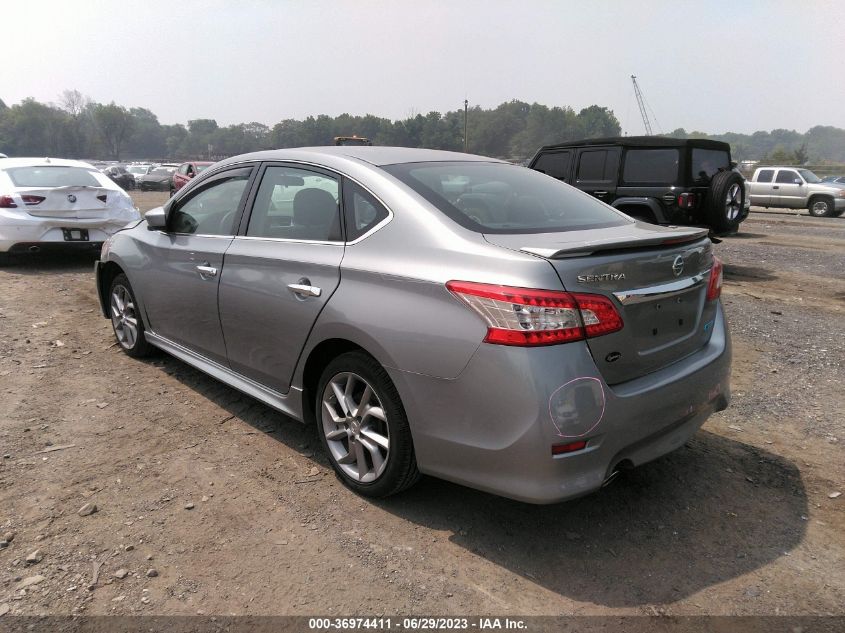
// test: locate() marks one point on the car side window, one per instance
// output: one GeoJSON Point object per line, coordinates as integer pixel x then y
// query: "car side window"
{"type": "Point", "coordinates": [363, 211]}
{"type": "Point", "coordinates": [786, 176]}
{"type": "Point", "coordinates": [212, 209]}
{"type": "Point", "coordinates": [597, 165]}
{"type": "Point", "coordinates": [183, 169]}
{"type": "Point", "coordinates": [765, 175]}
{"type": "Point", "coordinates": [555, 164]}
{"type": "Point", "coordinates": [295, 203]}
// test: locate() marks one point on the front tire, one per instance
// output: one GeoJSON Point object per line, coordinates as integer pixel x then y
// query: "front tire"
{"type": "Point", "coordinates": [821, 207]}
{"type": "Point", "coordinates": [126, 318]}
{"type": "Point", "coordinates": [363, 427]}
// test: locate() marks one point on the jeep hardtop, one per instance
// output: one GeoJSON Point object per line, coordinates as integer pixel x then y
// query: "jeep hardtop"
{"type": "Point", "coordinates": [654, 179]}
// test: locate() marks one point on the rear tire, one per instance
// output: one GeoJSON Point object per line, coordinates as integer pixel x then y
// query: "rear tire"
{"type": "Point", "coordinates": [821, 207]}
{"type": "Point", "coordinates": [126, 318]}
{"type": "Point", "coordinates": [725, 201]}
{"type": "Point", "coordinates": [363, 427]}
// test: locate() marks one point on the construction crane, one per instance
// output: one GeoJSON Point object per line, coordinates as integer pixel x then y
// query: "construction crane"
{"type": "Point", "coordinates": [641, 103]}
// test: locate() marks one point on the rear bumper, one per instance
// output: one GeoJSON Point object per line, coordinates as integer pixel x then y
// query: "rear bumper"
{"type": "Point", "coordinates": [492, 427]}
{"type": "Point", "coordinates": [19, 234]}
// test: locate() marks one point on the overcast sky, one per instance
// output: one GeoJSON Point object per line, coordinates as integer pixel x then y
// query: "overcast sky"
{"type": "Point", "coordinates": [711, 65]}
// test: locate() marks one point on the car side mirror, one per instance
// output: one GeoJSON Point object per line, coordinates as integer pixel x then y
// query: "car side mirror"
{"type": "Point", "coordinates": [798, 181]}
{"type": "Point", "coordinates": [156, 219]}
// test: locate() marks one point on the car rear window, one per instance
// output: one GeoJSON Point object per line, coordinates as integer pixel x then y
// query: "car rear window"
{"type": "Point", "coordinates": [651, 166]}
{"type": "Point", "coordinates": [501, 198]}
{"type": "Point", "coordinates": [52, 176]}
{"type": "Point", "coordinates": [707, 162]}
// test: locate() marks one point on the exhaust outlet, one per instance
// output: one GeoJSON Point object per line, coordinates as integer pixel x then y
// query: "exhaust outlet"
{"type": "Point", "coordinates": [34, 249]}
{"type": "Point", "coordinates": [610, 478]}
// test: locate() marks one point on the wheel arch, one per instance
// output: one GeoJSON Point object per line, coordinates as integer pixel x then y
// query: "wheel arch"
{"type": "Point", "coordinates": [815, 196]}
{"type": "Point", "coordinates": [641, 204]}
{"type": "Point", "coordinates": [107, 272]}
{"type": "Point", "coordinates": [316, 360]}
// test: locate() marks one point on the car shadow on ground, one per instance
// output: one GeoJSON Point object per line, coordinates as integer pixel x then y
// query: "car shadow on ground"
{"type": "Point", "coordinates": [712, 511]}
{"type": "Point", "coordinates": [744, 235]}
{"type": "Point", "coordinates": [38, 263]}
{"type": "Point", "coordinates": [734, 272]}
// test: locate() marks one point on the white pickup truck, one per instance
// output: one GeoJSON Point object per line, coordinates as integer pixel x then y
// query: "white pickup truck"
{"type": "Point", "coordinates": [796, 188]}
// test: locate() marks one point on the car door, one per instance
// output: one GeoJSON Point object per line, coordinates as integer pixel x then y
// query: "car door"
{"type": "Point", "coordinates": [180, 178]}
{"type": "Point", "coordinates": [761, 187]}
{"type": "Point", "coordinates": [184, 262]}
{"type": "Point", "coordinates": [597, 171]}
{"type": "Point", "coordinates": [786, 192]}
{"type": "Point", "coordinates": [281, 270]}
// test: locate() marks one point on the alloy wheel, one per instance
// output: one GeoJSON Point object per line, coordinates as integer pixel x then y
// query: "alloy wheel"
{"type": "Point", "coordinates": [733, 202]}
{"type": "Point", "coordinates": [819, 208]}
{"type": "Point", "coordinates": [355, 427]}
{"type": "Point", "coordinates": [124, 317]}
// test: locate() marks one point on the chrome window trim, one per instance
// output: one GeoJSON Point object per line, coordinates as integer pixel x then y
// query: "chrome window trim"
{"type": "Point", "coordinates": [661, 291]}
{"type": "Point", "coordinates": [269, 162]}
{"type": "Point", "coordinates": [225, 237]}
{"type": "Point", "coordinates": [287, 239]}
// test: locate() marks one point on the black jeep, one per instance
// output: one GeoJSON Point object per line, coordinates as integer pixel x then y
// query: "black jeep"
{"type": "Point", "coordinates": [655, 179]}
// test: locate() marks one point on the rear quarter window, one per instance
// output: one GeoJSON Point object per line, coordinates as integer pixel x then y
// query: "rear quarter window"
{"type": "Point", "coordinates": [651, 166]}
{"type": "Point", "coordinates": [706, 163]}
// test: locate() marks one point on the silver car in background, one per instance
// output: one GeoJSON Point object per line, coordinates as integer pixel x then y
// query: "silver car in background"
{"type": "Point", "coordinates": [55, 204]}
{"type": "Point", "coordinates": [432, 312]}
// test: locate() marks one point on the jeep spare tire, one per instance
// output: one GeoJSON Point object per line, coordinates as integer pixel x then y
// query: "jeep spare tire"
{"type": "Point", "coordinates": [725, 201]}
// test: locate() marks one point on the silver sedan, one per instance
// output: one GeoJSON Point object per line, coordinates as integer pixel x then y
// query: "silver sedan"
{"type": "Point", "coordinates": [431, 312]}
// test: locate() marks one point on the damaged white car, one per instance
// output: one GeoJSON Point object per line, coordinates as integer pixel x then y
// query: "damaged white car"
{"type": "Point", "coordinates": [52, 204]}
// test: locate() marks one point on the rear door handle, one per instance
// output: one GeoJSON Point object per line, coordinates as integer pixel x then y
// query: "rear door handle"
{"type": "Point", "coordinates": [207, 271]}
{"type": "Point", "coordinates": [599, 193]}
{"type": "Point", "coordinates": [304, 290]}
{"type": "Point", "coordinates": [775, 187]}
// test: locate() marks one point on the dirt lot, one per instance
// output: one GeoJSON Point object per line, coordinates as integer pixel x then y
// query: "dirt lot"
{"type": "Point", "coordinates": [235, 508]}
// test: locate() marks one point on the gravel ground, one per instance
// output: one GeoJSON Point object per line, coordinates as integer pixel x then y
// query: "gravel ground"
{"type": "Point", "coordinates": [234, 508]}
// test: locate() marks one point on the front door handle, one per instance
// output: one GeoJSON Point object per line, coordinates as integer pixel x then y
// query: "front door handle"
{"type": "Point", "coordinates": [775, 187]}
{"type": "Point", "coordinates": [207, 271]}
{"type": "Point", "coordinates": [304, 290]}
{"type": "Point", "coordinates": [599, 193]}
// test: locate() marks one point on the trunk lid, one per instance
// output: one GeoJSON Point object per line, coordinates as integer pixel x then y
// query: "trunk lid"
{"type": "Point", "coordinates": [656, 277]}
{"type": "Point", "coordinates": [80, 202]}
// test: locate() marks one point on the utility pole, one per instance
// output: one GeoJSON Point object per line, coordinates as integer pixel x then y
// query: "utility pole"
{"type": "Point", "coordinates": [466, 105]}
{"type": "Point", "coordinates": [639, 95]}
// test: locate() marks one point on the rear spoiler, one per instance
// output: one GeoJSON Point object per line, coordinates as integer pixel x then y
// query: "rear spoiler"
{"type": "Point", "coordinates": [583, 249]}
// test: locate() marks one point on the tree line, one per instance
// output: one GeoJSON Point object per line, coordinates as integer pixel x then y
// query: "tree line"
{"type": "Point", "coordinates": [77, 127]}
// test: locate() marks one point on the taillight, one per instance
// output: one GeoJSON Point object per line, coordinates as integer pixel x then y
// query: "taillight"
{"type": "Point", "coordinates": [529, 317]}
{"type": "Point", "coordinates": [7, 202]}
{"type": "Point", "coordinates": [686, 200]}
{"type": "Point", "coordinates": [560, 449]}
{"type": "Point", "coordinates": [714, 286]}
{"type": "Point", "coordinates": [32, 200]}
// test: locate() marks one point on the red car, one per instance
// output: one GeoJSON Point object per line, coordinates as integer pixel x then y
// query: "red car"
{"type": "Point", "coordinates": [187, 171]}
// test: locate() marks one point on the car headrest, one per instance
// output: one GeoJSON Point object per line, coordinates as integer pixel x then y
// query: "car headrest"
{"type": "Point", "coordinates": [314, 207]}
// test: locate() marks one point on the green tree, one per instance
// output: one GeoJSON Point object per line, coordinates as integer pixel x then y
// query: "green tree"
{"type": "Point", "coordinates": [114, 124]}
{"type": "Point", "coordinates": [599, 122]}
